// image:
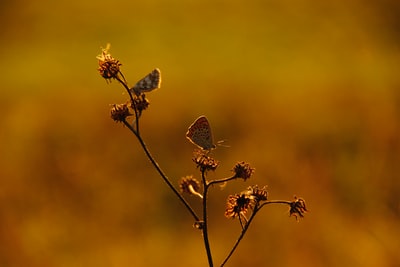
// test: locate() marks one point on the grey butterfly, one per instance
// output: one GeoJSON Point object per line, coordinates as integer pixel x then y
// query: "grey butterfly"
{"type": "Point", "coordinates": [149, 83]}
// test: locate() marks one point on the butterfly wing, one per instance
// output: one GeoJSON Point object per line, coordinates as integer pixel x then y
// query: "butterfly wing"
{"type": "Point", "coordinates": [199, 133]}
{"type": "Point", "coordinates": [149, 83]}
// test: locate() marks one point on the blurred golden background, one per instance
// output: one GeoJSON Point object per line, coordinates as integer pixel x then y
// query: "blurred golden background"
{"type": "Point", "coordinates": [305, 91]}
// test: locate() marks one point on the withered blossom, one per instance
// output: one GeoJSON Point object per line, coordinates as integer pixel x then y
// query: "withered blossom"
{"type": "Point", "coordinates": [243, 170]}
{"type": "Point", "coordinates": [119, 112]}
{"type": "Point", "coordinates": [140, 103]}
{"type": "Point", "coordinates": [298, 208]}
{"type": "Point", "coordinates": [189, 185]}
{"type": "Point", "coordinates": [109, 67]}
{"type": "Point", "coordinates": [204, 162]}
{"type": "Point", "coordinates": [259, 194]}
{"type": "Point", "coordinates": [237, 205]}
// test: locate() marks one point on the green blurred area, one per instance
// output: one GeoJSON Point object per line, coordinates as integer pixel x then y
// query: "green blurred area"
{"type": "Point", "coordinates": [308, 92]}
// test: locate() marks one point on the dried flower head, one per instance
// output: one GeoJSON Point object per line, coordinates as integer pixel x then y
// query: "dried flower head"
{"type": "Point", "coordinates": [190, 185]}
{"type": "Point", "coordinates": [140, 103]}
{"type": "Point", "coordinates": [259, 194]}
{"type": "Point", "coordinates": [109, 67]}
{"type": "Point", "coordinates": [119, 112]}
{"type": "Point", "coordinates": [243, 170]}
{"type": "Point", "coordinates": [298, 208]}
{"type": "Point", "coordinates": [237, 205]}
{"type": "Point", "coordinates": [204, 162]}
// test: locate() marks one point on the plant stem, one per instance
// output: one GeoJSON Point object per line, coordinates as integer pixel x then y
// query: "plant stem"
{"type": "Point", "coordinates": [160, 171]}
{"type": "Point", "coordinates": [205, 226]}
{"type": "Point", "coordinates": [124, 83]}
{"type": "Point", "coordinates": [223, 180]}
{"type": "Point", "coordinates": [244, 230]}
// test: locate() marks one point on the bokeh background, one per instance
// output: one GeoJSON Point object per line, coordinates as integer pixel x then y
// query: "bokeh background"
{"type": "Point", "coordinates": [307, 92]}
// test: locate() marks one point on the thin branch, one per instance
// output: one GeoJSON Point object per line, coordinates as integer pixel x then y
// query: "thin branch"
{"type": "Point", "coordinates": [285, 202]}
{"type": "Point", "coordinates": [246, 226]}
{"type": "Point", "coordinates": [244, 230]}
{"type": "Point", "coordinates": [160, 171]}
{"type": "Point", "coordinates": [223, 180]}
{"type": "Point", "coordinates": [136, 121]}
{"type": "Point", "coordinates": [205, 227]}
{"type": "Point", "coordinates": [125, 84]}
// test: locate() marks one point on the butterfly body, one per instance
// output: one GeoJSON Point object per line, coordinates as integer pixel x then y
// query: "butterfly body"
{"type": "Point", "coordinates": [149, 83]}
{"type": "Point", "coordinates": [199, 133]}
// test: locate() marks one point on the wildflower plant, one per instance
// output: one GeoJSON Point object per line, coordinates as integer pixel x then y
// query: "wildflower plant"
{"type": "Point", "coordinates": [243, 206]}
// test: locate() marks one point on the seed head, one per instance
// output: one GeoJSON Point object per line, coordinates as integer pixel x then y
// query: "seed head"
{"type": "Point", "coordinates": [243, 170]}
{"type": "Point", "coordinates": [119, 112]}
{"type": "Point", "coordinates": [189, 185]}
{"type": "Point", "coordinates": [237, 205]}
{"type": "Point", "coordinates": [259, 194]}
{"type": "Point", "coordinates": [297, 208]}
{"type": "Point", "coordinates": [109, 67]}
{"type": "Point", "coordinates": [140, 103]}
{"type": "Point", "coordinates": [205, 162]}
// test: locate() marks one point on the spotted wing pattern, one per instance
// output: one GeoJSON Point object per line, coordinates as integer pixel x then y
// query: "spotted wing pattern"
{"type": "Point", "coordinates": [149, 83]}
{"type": "Point", "coordinates": [199, 133]}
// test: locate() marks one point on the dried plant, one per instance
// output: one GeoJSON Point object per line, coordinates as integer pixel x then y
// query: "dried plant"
{"type": "Point", "coordinates": [243, 206]}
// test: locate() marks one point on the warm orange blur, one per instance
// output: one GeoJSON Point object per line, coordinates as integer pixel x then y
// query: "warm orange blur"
{"type": "Point", "coordinates": [307, 92]}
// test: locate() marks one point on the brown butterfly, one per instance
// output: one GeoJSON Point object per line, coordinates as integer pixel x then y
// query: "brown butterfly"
{"type": "Point", "coordinates": [149, 83]}
{"type": "Point", "coordinates": [199, 133]}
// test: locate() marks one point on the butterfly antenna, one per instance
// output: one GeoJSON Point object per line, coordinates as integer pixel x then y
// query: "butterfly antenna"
{"type": "Point", "coordinates": [221, 143]}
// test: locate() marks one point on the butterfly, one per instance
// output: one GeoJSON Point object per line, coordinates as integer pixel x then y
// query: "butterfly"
{"type": "Point", "coordinates": [199, 133]}
{"type": "Point", "coordinates": [149, 83]}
